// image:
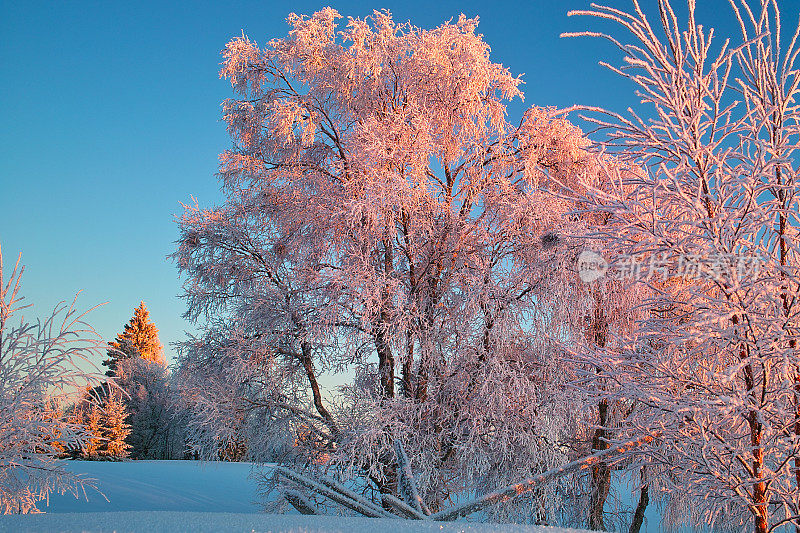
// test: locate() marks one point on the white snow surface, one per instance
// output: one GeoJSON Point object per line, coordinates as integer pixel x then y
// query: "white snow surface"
{"type": "Point", "coordinates": [171, 521]}
{"type": "Point", "coordinates": [174, 496]}
{"type": "Point", "coordinates": [161, 486]}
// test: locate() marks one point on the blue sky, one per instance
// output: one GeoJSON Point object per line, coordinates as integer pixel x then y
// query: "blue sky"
{"type": "Point", "coordinates": [111, 118]}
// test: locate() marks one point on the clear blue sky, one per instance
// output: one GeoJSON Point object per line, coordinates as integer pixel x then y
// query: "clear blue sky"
{"type": "Point", "coordinates": [111, 118]}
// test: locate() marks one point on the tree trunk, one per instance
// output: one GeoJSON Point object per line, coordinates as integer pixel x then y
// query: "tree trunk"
{"type": "Point", "coordinates": [797, 434]}
{"type": "Point", "coordinates": [385, 364]}
{"type": "Point", "coordinates": [601, 473]}
{"type": "Point", "coordinates": [759, 490]}
{"type": "Point", "coordinates": [644, 500]}
{"type": "Point", "coordinates": [408, 365]}
{"type": "Point", "coordinates": [759, 506]}
{"type": "Point", "coordinates": [784, 254]}
{"type": "Point", "coordinates": [385, 356]}
{"type": "Point", "coordinates": [308, 366]}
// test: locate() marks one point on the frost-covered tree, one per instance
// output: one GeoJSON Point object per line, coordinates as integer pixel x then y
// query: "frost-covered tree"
{"type": "Point", "coordinates": [137, 363]}
{"type": "Point", "coordinates": [41, 364]}
{"type": "Point", "coordinates": [383, 217]}
{"type": "Point", "coordinates": [716, 206]}
{"type": "Point", "coordinates": [156, 424]}
{"type": "Point", "coordinates": [138, 339]}
{"type": "Point", "coordinates": [90, 417]}
{"type": "Point", "coordinates": [103, 412]}
{"type": "Point", "coordinates": [115, 428]}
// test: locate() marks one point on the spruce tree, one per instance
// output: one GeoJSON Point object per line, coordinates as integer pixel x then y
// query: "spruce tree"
{"type": "Point", "coordinates": [115, 429]}
{"type": "Point", "coordinates": [75, 417]}
{"type": "Point", "coordinates": [138, 339]}
{"type": "Point", "coordinates": [92, 420]}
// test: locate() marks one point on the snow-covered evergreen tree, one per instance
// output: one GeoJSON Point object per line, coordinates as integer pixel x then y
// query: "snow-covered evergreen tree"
{"type": "Point", "coordinates": [115, 429]}
{"type": "Point", "coordinates": [138, 339]}
{"type": "Point", "coordinates": [136, 361]}
{"type": "Point", "coordinates": [91, 418]}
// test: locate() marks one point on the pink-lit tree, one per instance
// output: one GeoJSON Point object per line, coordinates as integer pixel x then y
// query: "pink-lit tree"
{"type": "Point", "coordinates": [384, 218]}
{"type": "Point", "coordinates": [41, 365]}
{"type": "Point", "coordinates": [716, 359]}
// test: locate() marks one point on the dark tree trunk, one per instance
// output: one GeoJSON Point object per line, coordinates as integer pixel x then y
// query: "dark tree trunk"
{"type": "Point", "coordinates": [641, 507]}
{"type": "Point", "coordinates": [797, 434]}
{"type": "Point", "coordinates": [759, 491]}
{"type": "Point", "coordinates": [308, 366]}
{"type": "Point", "coordinates": [784, 254]}
{"type": "Point", "coordinates": [385, 364]}
{"type": "Point", "coordinates": [385, 356]}
{"type": "Point", "coordinates": [408, 365]}
{"type": "Point", "coordinates": [601, 472]}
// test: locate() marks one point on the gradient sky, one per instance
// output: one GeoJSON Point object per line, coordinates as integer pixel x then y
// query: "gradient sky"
{"type": "Point", "coordinates": [111, 118]}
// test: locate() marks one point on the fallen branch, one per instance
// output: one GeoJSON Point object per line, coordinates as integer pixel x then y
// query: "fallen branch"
{"type": "Point", "coordinates": [402, 508]}
{"type": "Point", "coordinates": [344, 491]}
{"type": "Point", "coordinates": [333, 494]}
{"type": "Point", "coordinates": [408, 485]}
{"type": "Point", "coordinates": [300, 502]}
{"type": "Point", "coordinates": [512, 491]}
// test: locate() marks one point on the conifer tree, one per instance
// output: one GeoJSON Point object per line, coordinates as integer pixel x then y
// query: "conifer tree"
{"type": "Point", "coordinates": [53, 413]}
{"type": "Point", "coordinates": [138, 339]}
{"type": "Point", "coordinates": [91, 420]}
{"type": "Point", "coordinates": [115, 429]}
{"type": "Point", "coordinates": [75, 416]}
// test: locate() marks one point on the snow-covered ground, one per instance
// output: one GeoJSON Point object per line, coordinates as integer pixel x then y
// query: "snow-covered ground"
{"type": "Point", "coordinates": [161, 486]}
{"type": "Point", "coordinates": [174, 496]}
{"type": "Point", "coordinates": [170, 522]}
